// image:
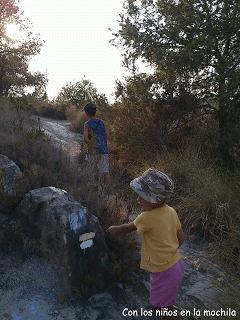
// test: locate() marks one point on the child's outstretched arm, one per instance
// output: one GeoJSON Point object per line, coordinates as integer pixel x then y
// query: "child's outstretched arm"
{"type": "Point", "coordinates": [121, 229]}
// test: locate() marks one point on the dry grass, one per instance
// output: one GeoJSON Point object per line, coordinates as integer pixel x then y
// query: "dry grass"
{"type": "Point", "coordinates": [183, 144]}
{"type": "Point", "coordinates": [206, 197]}
{"type": "Point", "coordinates": [42, 163]}
{"type": "Point", "coordinates": [46, 165]}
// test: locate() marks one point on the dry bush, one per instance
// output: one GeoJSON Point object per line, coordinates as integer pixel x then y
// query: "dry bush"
{"type": "Point", "coordinates": [44, 164]}
{"type": "Point", "coordinates": [114, 209]}
{"type": "Point", "coordinates": [25, 144]}
{"type": "Point", "coordinates": [183, 142]}
{"type": "Point", "coordinates": [112, 204]}
{"type": "Point", "coordinates": [76, 118]}
{"type": "Point", "coordinates": [152, 127]}
{"type": "Point", "coordinates": [49, 111]}
{"type": "Point", "coordinates": [206, 198]}
{"type": "Point", "coordinates": [42, 107]}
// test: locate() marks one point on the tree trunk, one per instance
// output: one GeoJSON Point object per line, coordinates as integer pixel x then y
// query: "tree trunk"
{"type": "Point", "coordinates": [224, 125]}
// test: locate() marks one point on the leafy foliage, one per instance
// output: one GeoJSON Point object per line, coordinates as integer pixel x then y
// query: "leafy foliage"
{"type": "Point", "coordinates": [197, 53]}
{"type": "Point", "coordinates": [73, 97]}
{"type": "Point", "coordinates": [141, 119]}
{"type": "Point", "coordinates": [185, 110]}
{"type": "Point", "coordinates": [80, 93]}
{"type": "Point", "coordinates": [15, 54]}
{"type": "Point", "coordinates": [8, 11]}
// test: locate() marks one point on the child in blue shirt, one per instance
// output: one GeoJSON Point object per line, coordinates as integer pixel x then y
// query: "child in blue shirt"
{"type": "Point", "coordinates": [95, 136]}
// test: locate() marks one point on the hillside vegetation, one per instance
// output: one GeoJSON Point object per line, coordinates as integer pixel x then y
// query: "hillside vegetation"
{"type": "Point", "coordinates": [183, 117]}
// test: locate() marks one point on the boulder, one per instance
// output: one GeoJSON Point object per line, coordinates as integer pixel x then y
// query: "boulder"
{"type": "Point", "coordinates": [9, 182]}
{"type": "Point", "coordinates": [102, 306]}
{"type": "Point", "coordinates": [10, 233]}
{"type": "Point", "coordinates": [61, 229]}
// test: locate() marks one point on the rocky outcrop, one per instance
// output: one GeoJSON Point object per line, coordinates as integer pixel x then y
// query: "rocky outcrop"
{"type": "Point", "coordinates": [61, 229]}
{"type": "Point", "coordinates": [10, 227]}
{"type": "Point", "coordinates": [10, 175]}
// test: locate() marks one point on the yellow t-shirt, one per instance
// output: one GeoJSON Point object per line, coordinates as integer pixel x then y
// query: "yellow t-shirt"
{"type": "Point", "coordinates": [158, 229]}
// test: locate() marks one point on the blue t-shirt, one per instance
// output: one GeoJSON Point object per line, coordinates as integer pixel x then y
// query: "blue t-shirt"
{"type": "Point", "coordinates": [98, 128]}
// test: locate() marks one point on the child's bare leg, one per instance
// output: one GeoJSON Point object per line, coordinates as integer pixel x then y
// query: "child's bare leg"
{"type": "Point", "coordinates": [103, 170]}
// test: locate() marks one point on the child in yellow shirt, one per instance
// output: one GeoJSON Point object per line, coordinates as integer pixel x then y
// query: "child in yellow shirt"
{"type": "Point", "coordinates": [162, 235]}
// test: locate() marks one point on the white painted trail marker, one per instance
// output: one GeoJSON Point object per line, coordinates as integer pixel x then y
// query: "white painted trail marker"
{"type": "Point", "coordinates": [86, 236]}
{"type": "Point", "coordinates": [86, 240]}
{"type": "Point", "coordinates": [86, 244]}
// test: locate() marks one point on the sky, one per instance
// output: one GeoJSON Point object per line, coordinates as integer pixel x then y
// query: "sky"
{"type": "Point", "coordinates": [76, 44]}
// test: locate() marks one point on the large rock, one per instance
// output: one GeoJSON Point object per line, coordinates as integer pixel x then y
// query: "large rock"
{"type": "Point", "coordinates": [9, 182]}
{"type": "Point", "coordinates": [60, 228]}
{"type": "Point", "coordinates": [10, 233]}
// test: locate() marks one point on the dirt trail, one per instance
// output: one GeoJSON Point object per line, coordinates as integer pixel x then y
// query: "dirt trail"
{"type": "Point", "coordinates": [60, 133]}
{"type": "Point", "coordinates": [30, 288]}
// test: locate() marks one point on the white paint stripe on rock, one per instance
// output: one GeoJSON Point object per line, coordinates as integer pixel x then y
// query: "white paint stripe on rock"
{"type": "Point", "coordinates": [86, 244]}
{"type": "Point", "coordinates": [77, 219]}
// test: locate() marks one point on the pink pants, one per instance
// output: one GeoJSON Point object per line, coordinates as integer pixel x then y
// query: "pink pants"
{"type": "Point", "coordinates": [164, 286]}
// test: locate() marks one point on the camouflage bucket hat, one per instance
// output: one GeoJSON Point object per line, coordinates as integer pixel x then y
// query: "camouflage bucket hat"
{"type": "Point", "coordinates": [153, 186]}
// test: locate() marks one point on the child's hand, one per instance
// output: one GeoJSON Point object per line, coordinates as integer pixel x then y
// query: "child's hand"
{"type": "Point", "coordinates": [114, 230]}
